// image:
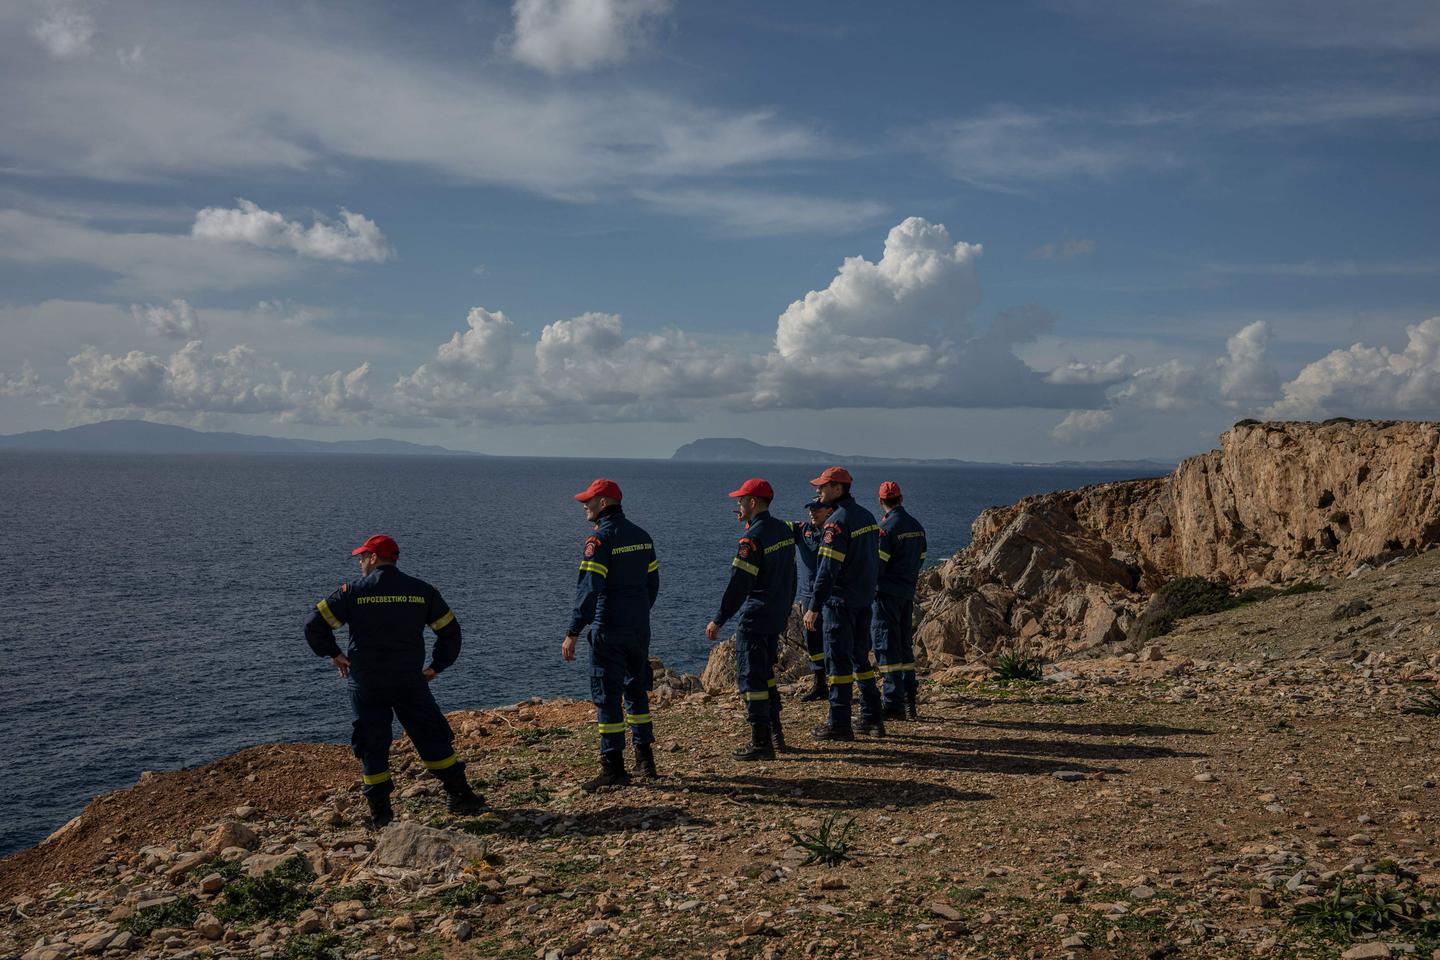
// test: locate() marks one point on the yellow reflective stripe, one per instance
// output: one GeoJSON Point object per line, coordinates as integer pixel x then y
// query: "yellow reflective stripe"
{"type": "Point", "coordinates": [590, 566]}
{"type": "Point", "coordinates": [611, 727]}
{"type": "Point", "coordinates": [870, 529]}
{"type": "Point", "coordinates": [444, 621]}
{"type": "Point", "coordinates": [637, 718]}
{"type": "Point", "coordinates": [908, 666]}
{"type": "Point", "coordinates": [866, 675]}
{"type": "Point", "coordinates": [891, 667]}
{"type": "Point", "coordinates": [632, 548]}
{"type": "Point", "coordinates": [832, 554]}
{"type": "Point", "coordinates": [884, 556]}
{"type": "Point", "coordinates": [330, 618]}
{"type": "Point", "coordinates": [773, 682]}
{"type": "Point", "coordinates": [779, 546]}
{"type": "Point", "coordinates": [445, 764]}
{"type": "Point", "coordinates": [757, 694]}
{"type": "Point", "coordinates": [847, 678]}
{"type": "Point", "coordinates": [654, 565]}
{"type": "Point", "coordinates": [373, 778]}
{"type": "Point", "coordinates": [817, 657]}
{"type": "Point", "coordinates": [749, 568]}
{"type": "Point", "coordinates": [923, 556]}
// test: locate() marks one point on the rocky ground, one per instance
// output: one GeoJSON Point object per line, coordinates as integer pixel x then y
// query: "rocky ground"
{"type": "Point", "coordinates": [1203, 797]}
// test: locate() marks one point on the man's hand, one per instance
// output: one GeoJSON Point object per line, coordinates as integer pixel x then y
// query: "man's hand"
{"type": "Point", "coordinates": [812, 619]}
{"type": "Point", "coordinates": [342, 663]}
{"type": "Point", "coordinates": [712, 630]}
{"type": "Point", "coordinates": [429, 674]}
{"type": "Point", "coordinates": [567, 646]}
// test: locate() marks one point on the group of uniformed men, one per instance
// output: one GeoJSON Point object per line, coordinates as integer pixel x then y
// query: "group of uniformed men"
{"type": "Point", "coordinates": [854, 578]}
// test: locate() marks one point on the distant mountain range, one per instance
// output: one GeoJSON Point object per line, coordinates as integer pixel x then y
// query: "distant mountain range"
{"type": "Point", "coordinates": [141, 436]}
{"type": "Point", "coordinates": [733, 449]}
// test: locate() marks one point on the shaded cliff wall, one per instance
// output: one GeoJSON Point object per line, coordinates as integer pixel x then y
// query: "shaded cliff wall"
{"type": "Point", "coordinates": [1278, 501]}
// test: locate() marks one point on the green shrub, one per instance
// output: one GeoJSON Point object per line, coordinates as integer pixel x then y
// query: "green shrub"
{"type": "Point", "coordinates": [1012, 666]}
{"type": "Point", "coordinates": [830, 844]}
{"type": "Point", "coordinates": [1426, 704]}
{"type": "Point", "coordinates": [181, 912]}
{"type": "Point", "coordinates": [1352, 910]}
{"type": "Point", "coordinates": [535, 735]}
{"type": "Point", "coordinates": [319, 946]}
{"type": "Point", "coordinates": [278, 894]}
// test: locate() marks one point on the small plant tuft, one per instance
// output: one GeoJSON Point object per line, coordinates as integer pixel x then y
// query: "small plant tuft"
{"type": "Point", "coordinates": [535, 735]}
{"type": "Point", "coordinates": [182, 912]}
{"type": "Point", "coordinates": [1352, 910]}
{"type": "Point", "coordinates": [320, 946]}
{"type": "Point", "coordinates": [279, 894]}
{"type": "Point", "coordinates": [1426, 704]}
{"type": "Point", "coordinates": [830, 844]}
{"type": "Point", "coordinates": [1011, 667]}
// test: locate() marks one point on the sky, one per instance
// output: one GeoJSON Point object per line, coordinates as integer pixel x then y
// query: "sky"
{"type": "Point", "coordinates": [1036, 230]}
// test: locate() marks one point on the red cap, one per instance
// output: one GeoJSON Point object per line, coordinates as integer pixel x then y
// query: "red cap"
{"type": "Point", "coordinates": [600, 488]}
{"type": "Point", "coordinates": [832, 475]}
{"type": "Point", "coordinates": [382, 546]}
{"type": "Point", "coordinates": [890, 490]}
{"type": "Point", "coordinates": [754, 487]}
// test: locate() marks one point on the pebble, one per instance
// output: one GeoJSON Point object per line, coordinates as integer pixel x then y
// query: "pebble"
{"type": "Point", "coordinates": [1068, 776]}
{"type": "Point", "coordinates": [1142, 892]}
{"type": "Point", "coordinates": [1367, 951]}
{"type": "Point", "coordinates": [1206, 777]}
{"type": "Point", "coordinates": [1359, 840]}
{"type": "Point", "coordinates": [213, 883]}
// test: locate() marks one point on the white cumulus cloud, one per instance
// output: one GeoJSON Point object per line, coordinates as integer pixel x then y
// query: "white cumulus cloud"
{"type": "Point", "coordinates": [1245, 375]}
{"type": "Point", "coordinates": [65, 31]}
{"type": "Point", "coordinates": [354, 239]}
{"type": "Point", "coordinates": [177, 320]}
{"type": "Point", "coordinates": [1080, 425]}
{"type": "Point", "coordinates": [565, 36]}
{"type": "Point", "coordinates": [1369, 381]}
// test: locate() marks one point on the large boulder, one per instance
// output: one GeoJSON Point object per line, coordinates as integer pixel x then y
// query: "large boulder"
{"type": "Point", "coordinates": [718, 677]}
{"type": "Point", "coordinates": [416, 847]}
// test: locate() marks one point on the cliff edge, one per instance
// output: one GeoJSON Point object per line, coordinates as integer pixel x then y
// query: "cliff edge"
{"type": "Point", "coordinates": [1279, 501]}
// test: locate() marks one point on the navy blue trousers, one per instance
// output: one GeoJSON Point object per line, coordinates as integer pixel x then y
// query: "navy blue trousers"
{"type": "Point", "coordinates": [894, 636]}
{"type": "Point", "coordinates": [620, 673]}
{"type": "Point", "coordinates": [377, 704]}
{"type": "Point", "coordinates": [814, 645]}
{"type": "Point", "coordinates": [756, 655]}
{"type": "Point", "coordinates": [847, 657]}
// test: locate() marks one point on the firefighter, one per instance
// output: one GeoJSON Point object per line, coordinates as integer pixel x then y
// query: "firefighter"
{"type": "Point", "coordinates": [807, 558]}
{"type": "Point", "coordinates": [619, 580]}
{"type": "Point", "coordinates": [761, 591]}
{"type": "Point", "coordinates": [841, 601]}
{"type": "Point", "coordinates": [387, 612]}
{"type": "Point", "coordinates": [902, 554]}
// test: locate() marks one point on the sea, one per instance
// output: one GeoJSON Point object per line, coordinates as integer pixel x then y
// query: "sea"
{"type": "Point", "coordinates": [153, 604]}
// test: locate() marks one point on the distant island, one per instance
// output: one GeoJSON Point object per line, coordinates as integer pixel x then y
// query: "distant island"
{"type": "Point", "coordinates": [736, 449]}
{"type": "Point", "coordinates": [142, 436]}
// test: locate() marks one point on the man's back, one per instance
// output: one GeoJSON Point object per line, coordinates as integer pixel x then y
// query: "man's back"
{"type": "Point", "coordinates": [626, 554]}
{"type": "Point", "coordinates": [902, 553]}
{"type": "Point", "coordinates": [850, 541]}
{"type": "Point", "coordinates": [387, 612]}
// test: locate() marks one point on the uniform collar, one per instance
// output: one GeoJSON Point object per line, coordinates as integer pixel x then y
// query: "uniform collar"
{"type": "Point", "coordinates": [614, 510]}
{"type": "Point", "coordinates": [762, 515]}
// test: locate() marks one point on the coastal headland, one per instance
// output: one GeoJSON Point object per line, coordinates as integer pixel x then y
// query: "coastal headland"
{"type": "Point", "coordinates": [1230, 753]}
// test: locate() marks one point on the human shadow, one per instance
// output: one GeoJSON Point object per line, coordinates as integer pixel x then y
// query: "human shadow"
{"type": "Point", "coordinates": [958, 760]}
{"type": "Point", "coordinates": [532, 822]}
{"type": "Point", "coordinates": [824, 792]}
{"type": "Point", "coordinates": [1095, 729]}
{"type": "Point", "coordinates": [1076, 749]}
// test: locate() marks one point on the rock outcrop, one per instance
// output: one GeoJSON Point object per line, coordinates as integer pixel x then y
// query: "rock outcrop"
{"type": "Point", "coordinates": [1070, 571]}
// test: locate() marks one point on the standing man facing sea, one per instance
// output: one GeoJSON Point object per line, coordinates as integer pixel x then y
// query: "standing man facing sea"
{"type": "Point", "coordinates": [807, 561]}
{"type": "Point", "coordinates": [844, 591]}
{"type": "Point", "coordinates": [619, 580]}
{"type": "Point", "coordinates": [387, 612]}
{"type": "Point", "coordinates": [902, 554]}
{"type": "Point", "coordinates": [761, 591]}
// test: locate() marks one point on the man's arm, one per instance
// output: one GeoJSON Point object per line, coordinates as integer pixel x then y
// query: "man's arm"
{"type": "Point", "coordinates": [834, 541]}
{"type": "Point", "coordinates": [652, 577]}
{"type": "Point", "coordinates": [744, 568]}
{"type": "Point", "coordinates": [447, 633]}
{"type": "Point", "coordinates": [327, 617]}
{"type": "Point", "coordinates": [594, 569]}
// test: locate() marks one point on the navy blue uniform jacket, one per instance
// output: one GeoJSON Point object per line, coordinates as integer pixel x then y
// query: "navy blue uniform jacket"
{"type": "Point", "coordinates": [387, 613]}
{"type": "Point", "coordinates": [807, 558]}
{"type": "Point", "coordinates": [849, 557]}
{"type": "Point", "coordinates": [902, 553]}
{"type": "Point", "coordinates": [762, 577]}
{"type": "Point", "coordinates": [619, 576]}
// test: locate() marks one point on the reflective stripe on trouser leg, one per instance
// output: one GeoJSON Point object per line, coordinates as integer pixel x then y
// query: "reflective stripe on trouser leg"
{"type": "Point", "coordinates": [889, 654]}
{"type": "Point", "coordinates": [620, 681]}
{"type": "Point", "coordinates": [753, 675]}
{"type": "Point", "coordinates": [870, 708]}
{"type": "Point", "coordinates": [773, 651]}
{"type": "Point", "coordinates": [425, 724]}
{"type": "Point", "coordinates": [370, 737]}
{"type": "Point", "coordinates": [815, 649]}
{"type": "Point", "coordinates": [836, 626]}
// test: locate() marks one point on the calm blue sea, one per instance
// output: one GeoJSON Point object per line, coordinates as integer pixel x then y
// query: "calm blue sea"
{"type": "Point", "coordinates": [152, 605]}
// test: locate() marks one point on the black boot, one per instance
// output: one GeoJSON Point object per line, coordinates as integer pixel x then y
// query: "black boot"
{"type": "Point", "coordinates": [761, 747]}
{"type": "Point", "coordinates": [827, 732]}
{"type": "Point", "coordinates": [612, 772]}
{"type": "Point", "coordinates": [461, 797]}
{"type": "Point", "coordinates": [896, 712]}
{"type": "Point", "coordinates": [777, 735]}
{"type": "Point", "coordinates": [873, 728]}
{"type": "Point", "coordinates": [645, 762]}
{"type": "Point", "coordinates": [381, 813]}
{"type": "Point", "coordinates": [819, 690]}
{"type": "Point", "coordinates": [911, 711]}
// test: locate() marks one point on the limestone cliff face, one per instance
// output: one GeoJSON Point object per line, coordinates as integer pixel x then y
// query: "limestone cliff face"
{"type": "Point", "coordinates": [1278, 501]}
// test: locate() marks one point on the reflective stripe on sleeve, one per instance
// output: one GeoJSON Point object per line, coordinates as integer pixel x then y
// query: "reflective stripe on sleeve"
{"type": "Point", "coordinates": [445, 764]}
{"type": "Point", "coordinates": [832, 554]}
{"type": "Point", "coordinates": [654, 566]}
{"type": "Point", "coordinates": [330, 618]}
{"type": "Point", "coordinates": [749, 568]}
{"type": "Point", "coordinates": [444, 621]}
{"type": "Point", "coordinates": [373, 778]}
{"type": "Point", "coordinates": [884, 556]}
{"type": "Point", "coordinates": [590, 566]}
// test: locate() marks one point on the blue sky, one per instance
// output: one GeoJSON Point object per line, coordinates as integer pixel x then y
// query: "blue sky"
{"type": "Point", "coordinates": [1045, 230]}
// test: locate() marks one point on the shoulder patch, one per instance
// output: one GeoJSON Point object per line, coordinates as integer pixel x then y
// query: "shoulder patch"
{"type": "Point", "coordinates": [591, 545]}
{"type": "Point", "coordinates": [744, 549]}
{"type": "Point", "coordinates": [829, 535]}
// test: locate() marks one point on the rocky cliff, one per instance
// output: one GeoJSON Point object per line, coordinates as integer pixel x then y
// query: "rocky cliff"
{"type": "Point", "coordinates": [1277, 502]}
